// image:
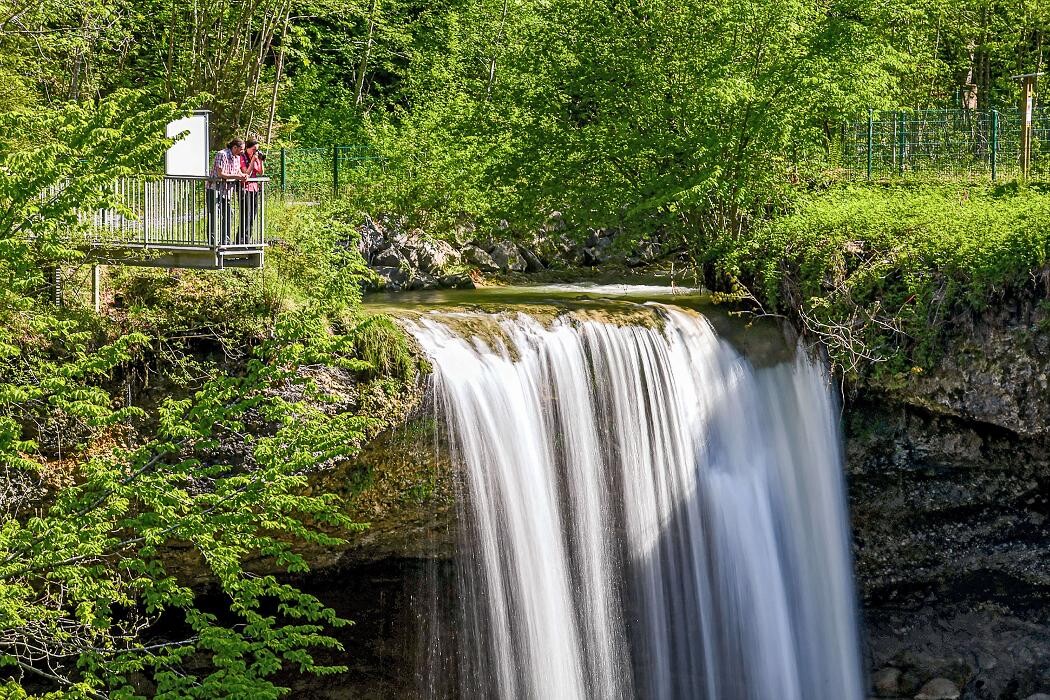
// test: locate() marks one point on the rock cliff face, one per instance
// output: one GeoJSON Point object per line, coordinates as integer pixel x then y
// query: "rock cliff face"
{"type": "Point", "coordinates": [949, 487]}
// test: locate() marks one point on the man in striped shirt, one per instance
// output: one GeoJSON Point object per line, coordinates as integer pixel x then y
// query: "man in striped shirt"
{"type": "Point", "coordinates": [223, 182]}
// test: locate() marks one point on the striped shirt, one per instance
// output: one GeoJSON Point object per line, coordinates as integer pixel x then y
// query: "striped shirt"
{"type": "Point", "coordinates": [225, 164]}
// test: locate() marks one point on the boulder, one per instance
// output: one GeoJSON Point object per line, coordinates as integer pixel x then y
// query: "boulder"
{"type": "Point", "coordinates": [589, 256]}
{"type": "Point", "coordinates": [649, 251]}
{"type": "Point", "coordinates": [371, 239]}
{"type": "Point", "coordinates": [435, 256]}
{"type": "Point", "coordinates": [476, 257]}
{"type": "Point", "coordinates": [555, 222]}
{"type": "Point", "coordinates": [392, 278]}
{"type": "Point", "coordinates": [1038, 696]}
{"type": "Point", "coordinates": [505, 254]}
{"type": "Point", "coordinates": [532, 261]}
{"type": "Point", "coordinates": [457, 281]}
{"type": "Point", "coordinates": [464, 233]}
{"type": "Point", "coordinates": [553, 247]}
{"type": "Point", "coordinates": [389, 257]}
{"type": "Point", "coordinates": [421, 280]}
{"type": "Point", "coordinates": [939, 689]}
{"type": "Point", "coordinates": [887, 682]}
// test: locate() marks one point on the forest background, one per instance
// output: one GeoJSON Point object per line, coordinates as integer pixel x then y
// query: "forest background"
{"type": "Point", "coordinates": [713, 122]}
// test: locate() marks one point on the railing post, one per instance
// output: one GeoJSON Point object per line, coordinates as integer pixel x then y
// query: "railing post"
{"type": "Point", "coordinates": [335, 171]}
{"type": "Point", "coordinates": [902, 137]}
{"type": "Point", "coordinates": [995, 144]}
{"type": "Point", "coordinates": [262, 214]}
{"type": "Point", "coordinates": [871, 139]}
{"type": "Point", "coordinates": [284, 168]}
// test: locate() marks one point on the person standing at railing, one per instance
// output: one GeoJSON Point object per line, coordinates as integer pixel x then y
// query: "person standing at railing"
{"type": "Point", "coordinates": [251, 167]}
{"type": "Point", "coordinates": [223, 182]}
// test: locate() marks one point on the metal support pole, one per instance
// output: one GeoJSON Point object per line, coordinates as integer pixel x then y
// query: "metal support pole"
{"type": "Point", "coordinates": [96, 287]}
{"type": "Point", "coordinates": [53, 280]}
{"type": "Point", "coordinates": [995, 145]}
{"type": "Point", "coordinates": [284, 169]}
{"type": "Point", "coordinates": [335, 170]}
{"type": "Point", "coordinates": [871, 140]}
{"type": "Point", "coordinates": [902, 137]}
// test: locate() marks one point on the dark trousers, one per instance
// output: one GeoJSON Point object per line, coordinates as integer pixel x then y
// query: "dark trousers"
{"type": "Point", "coordinates": [219, 214]}
{"type": "Point", "coordinates": [249, 208]}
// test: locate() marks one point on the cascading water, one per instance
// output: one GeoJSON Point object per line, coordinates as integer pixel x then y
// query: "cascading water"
{"type": "Point", "coordinates": [646, 514]}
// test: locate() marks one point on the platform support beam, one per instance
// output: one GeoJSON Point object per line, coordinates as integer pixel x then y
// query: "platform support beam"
{"type": "Point", "coordinates": [96, 288]}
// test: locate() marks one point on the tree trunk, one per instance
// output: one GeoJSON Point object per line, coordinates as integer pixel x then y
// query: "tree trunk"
{"type": "Point", "coordinates": [366, 54]}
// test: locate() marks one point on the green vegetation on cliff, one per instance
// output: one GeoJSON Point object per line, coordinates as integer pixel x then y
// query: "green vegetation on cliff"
{"type": "Point", "coordinates": [884, 275]}
{"type": "Point", "coordinates": [185, 420]}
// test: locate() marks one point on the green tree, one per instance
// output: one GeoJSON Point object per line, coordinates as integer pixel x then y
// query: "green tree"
{"type": "Point", "coordinates": [88, 569]}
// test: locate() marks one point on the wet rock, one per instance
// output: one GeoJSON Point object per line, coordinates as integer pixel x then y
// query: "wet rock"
{"type": "Point", "coordinates": [887, 682]}
{"type": "Point", "coordinates": [939, 689]}
{"type": "Point", "coordinates": [477, 258]}
{"type": "Point", "coordinates": [996, 374]}
{"type": "Point", "coordinates": [506, 256]}
{"type": "Point", "coordinates": [1038, 696]}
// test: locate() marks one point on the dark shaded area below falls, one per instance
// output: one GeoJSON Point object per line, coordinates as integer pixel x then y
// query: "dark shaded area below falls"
{"type": "Point", "coordinates": [952, 550]}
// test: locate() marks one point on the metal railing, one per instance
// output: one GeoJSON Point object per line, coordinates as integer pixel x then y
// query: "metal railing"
{"type": "Point", "coordinates": [943, 144]}
{"type": "Point", "coordinates": [183, 212]}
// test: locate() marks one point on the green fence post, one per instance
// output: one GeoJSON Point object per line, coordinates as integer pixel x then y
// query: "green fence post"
{"type": "Point", "coordinates": [902, 137]}
{"type": "Point", "coordinates": [995, 144]}
{"type": "Point", "coordinates": [284, 169]}
{"type": "Point", "coordinates": [871, 139]}
{"type": "Point", "coordinates": [335, 170]}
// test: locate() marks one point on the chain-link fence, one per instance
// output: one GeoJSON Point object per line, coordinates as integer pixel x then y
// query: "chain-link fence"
{"type": "Point", "coordinates": [944, 144]}
{"type": "Point", "coordinates": [314, 173]}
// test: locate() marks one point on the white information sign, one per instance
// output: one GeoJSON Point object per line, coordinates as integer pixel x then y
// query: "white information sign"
{"type": "Point", "coordinates": [189, 156]}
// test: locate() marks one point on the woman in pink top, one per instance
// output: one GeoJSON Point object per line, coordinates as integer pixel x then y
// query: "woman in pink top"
{"type": "Point", "coordinates": [252, 167]}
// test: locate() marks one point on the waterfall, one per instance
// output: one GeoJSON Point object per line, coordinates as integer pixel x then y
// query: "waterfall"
{"type": "Point", "coordinates": [645, 513]}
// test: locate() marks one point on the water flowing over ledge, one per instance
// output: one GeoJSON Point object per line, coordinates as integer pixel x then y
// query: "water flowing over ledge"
{"type": "Point", "coordinates": [646, 514]}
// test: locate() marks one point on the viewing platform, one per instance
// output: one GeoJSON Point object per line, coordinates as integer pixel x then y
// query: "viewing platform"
{"type": "Point", "coordinates": [178, 221]}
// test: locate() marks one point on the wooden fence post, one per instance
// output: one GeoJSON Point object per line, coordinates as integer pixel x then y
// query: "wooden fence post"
{"type": "Point", "coordinates": [995, 144]}
{"type": "Point", "coordinates": [871, 140]}
{"type": "Point", "coordinates": [902, 138]}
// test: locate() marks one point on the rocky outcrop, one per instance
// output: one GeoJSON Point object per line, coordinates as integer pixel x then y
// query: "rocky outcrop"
{"type": "Point", "coordinates": [998, 373]}
{"type": "Point", "coordinates": [410, 259]}
{"type": "Point", "coordinates": [949, 486]}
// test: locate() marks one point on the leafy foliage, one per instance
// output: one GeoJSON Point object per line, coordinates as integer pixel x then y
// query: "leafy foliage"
{"type": "Point", "coordinates": [109, 506]}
